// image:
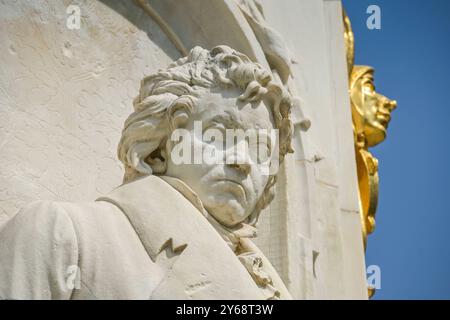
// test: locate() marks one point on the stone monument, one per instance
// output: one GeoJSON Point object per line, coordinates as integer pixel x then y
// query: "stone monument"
{"type": "Point", "coordinates": [168, 230]}
{"type": "Point", "coordinates": [176, 214]}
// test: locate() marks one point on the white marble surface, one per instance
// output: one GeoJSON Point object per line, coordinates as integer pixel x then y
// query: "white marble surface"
{"type": "Point", "coordinates": [64, 95]}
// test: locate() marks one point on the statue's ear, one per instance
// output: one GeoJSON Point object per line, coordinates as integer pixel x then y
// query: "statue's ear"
{"type": "Point", "coordinates": [180, 111]}
{"type": "Point", "coordinates": [158, 159]}
{"type": "Point", "coordinates": [179, 118]}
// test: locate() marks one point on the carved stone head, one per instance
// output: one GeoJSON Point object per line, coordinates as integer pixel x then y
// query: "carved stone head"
{"type": "Point", "coordinates": [371, 111]}
{"type": "Point", "coordinates": [208, 93]}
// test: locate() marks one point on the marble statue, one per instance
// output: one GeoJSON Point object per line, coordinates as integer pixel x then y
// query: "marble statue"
{"type": "Point", "coordinates": [172, 230]}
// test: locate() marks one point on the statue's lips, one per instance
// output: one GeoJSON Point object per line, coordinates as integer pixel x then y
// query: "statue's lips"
{"type": "Point", "coordinates": [383, 117]}
{"type": "Point", "coordinates": [236, 187]}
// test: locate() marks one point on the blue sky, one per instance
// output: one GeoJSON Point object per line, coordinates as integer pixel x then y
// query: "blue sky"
{"type": "Point", "coordinates": [411, 56]}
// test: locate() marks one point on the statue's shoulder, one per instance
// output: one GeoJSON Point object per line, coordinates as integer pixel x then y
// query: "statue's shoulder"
{"type": "Point", "coordinates": [43, 222]}
{"type": "Point", "coordinates": [43, 215]}
{"type": "Point", "coordinates": [39, 218]}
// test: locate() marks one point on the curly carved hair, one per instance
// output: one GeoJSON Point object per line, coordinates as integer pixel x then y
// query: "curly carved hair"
{"type": "Point", "coordinates": [146, 131]}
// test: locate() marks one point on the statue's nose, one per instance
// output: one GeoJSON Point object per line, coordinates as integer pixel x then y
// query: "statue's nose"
{"type": "Point", "coordinates": [237, 157]}
{"type": "Point", "coordinates": [242, 167]}
{"type": "Point", "coordinates": [239, 162]}
{"type": "Point", "coordinates": [391, 104]}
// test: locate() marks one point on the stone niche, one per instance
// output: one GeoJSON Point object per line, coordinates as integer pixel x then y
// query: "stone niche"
{"type": "Point", "coordinates": [65, 93]}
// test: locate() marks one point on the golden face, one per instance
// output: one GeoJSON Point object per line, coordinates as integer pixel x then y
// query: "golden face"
{"type": "Point", "coordinates": [371, 110]}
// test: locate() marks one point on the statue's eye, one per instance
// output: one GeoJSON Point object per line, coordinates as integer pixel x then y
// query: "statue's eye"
{"type": "Point", "coordinates": [369, 87]}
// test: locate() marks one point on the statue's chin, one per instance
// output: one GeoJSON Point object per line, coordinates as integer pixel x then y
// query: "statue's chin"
{"type": "Point", "coordinates": [375, 134]}
{"type": "Point", "coordinates": [229, 214]}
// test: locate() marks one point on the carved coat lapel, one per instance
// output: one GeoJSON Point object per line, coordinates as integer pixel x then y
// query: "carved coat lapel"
{"type": "Point", "coordinates": [201, 266]}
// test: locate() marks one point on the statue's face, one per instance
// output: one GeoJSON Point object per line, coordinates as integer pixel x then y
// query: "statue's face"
{"type": "Point", "coordinates": [228, 189]}
{"type": "Point", "coordinates": [372, 108]}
